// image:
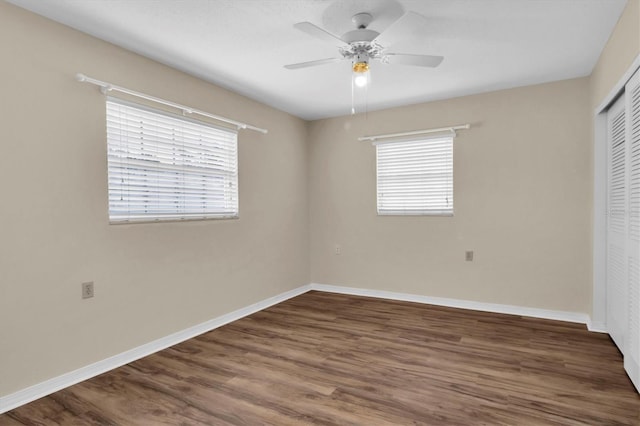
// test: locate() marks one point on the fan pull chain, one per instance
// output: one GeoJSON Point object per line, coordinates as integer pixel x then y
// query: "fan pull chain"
{"type": "Point", "coordinates": [366, 98]}
{"type": "Point", "coordinates": [353, 106]}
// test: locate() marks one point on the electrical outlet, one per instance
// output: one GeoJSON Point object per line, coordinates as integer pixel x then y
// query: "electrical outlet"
{"type": "Point", "coordinates": [468, 255]}
{"type": "Point", "coordinates": [87, 290]}
{"type": "Point", "coordinates": [338, 249]}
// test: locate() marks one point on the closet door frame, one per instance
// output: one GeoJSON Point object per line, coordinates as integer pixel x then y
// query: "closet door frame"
{"type": "Point", "coordinates": [597, 321]}
{"type": "Point", "coordinates": [629, 83]}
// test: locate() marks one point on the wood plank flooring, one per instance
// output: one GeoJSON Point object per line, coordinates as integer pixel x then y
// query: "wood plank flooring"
{"type": "Point", "coordinates": [332, 359]}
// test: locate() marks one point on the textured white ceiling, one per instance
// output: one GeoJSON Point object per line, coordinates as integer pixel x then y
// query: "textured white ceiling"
{"type": "Point", "coordinates": [243, 44]}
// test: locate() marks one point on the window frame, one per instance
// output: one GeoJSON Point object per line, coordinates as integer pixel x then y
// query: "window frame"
{"type": "Point", "coordinates": [417, 142]}
{"type": "Point", "coordinates": [193, 164]}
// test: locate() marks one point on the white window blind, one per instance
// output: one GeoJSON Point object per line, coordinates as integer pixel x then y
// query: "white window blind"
{"type": "Point", "coordinates": [415, 177]}
{"type": "Point", "coordinates": [166, 167]}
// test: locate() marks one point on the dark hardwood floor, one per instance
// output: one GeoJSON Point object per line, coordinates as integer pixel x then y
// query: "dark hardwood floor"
{"type": "Point", "coordinates": [325, 358]}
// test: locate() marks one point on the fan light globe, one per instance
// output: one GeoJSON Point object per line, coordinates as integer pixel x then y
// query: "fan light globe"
{"type": "Point", "coordinates": [360, 80]}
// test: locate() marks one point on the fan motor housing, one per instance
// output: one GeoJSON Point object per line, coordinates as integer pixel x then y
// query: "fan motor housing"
{"type": "Point", "coordinates": [362, 51]}
{"type": "Point", "coordinates": [364, 34]}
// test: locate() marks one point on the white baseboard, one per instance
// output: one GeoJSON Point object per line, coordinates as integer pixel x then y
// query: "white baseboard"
{"type": "Point", "coordinates": [597, 326]}
{"type": "Point", "coordinates": [462, 304]}
{"type": "Point", "coordinates": [47, 387]}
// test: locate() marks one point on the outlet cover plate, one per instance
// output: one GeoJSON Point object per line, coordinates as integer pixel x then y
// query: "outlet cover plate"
{"type": "Point", "coordinates": [87, 290]}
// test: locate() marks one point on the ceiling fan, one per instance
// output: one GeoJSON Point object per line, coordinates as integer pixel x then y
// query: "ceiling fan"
{"type": "Point", "coordinates": [362, 45]}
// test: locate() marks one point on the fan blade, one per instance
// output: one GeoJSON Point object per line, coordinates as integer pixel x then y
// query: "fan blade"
{"type": "Point", "coordinates": [311, 63]}
{"type": "Point", "coordinates": [417, 60]}
{"type": "Point", "coordinates": [317, 32]}
{"type": "Point", "coordinates": [405, 27]}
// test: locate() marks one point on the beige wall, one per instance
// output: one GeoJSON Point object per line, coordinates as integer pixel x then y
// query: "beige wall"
{"type": "Point", "coordinates": [151, 279]}
{"type": "Point", "coordinates": [522, 202]}
{"type": "Point", "coordinates": [618, 55]}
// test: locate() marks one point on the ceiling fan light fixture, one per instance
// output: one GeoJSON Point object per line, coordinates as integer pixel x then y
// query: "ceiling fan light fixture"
{"type": "Point", "coordinates": [360, 73]}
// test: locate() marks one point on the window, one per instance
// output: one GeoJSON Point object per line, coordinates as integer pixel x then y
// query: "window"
{"type": "Point", "coordinates": [167, 167]}
{"type": "Point", "coordinates": [415, 177]}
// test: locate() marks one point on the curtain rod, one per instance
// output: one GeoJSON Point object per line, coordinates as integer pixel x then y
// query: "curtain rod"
{"type": "Point", "coordinates": [416, 132]}
{"type": "Point", "coordinates": [107, 87]}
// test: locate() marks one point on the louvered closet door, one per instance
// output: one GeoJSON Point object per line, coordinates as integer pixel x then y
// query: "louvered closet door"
{"type": "Point", "coordinates": [632, 344]}
{"type": "Point", "coordinates": [617, 322]}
